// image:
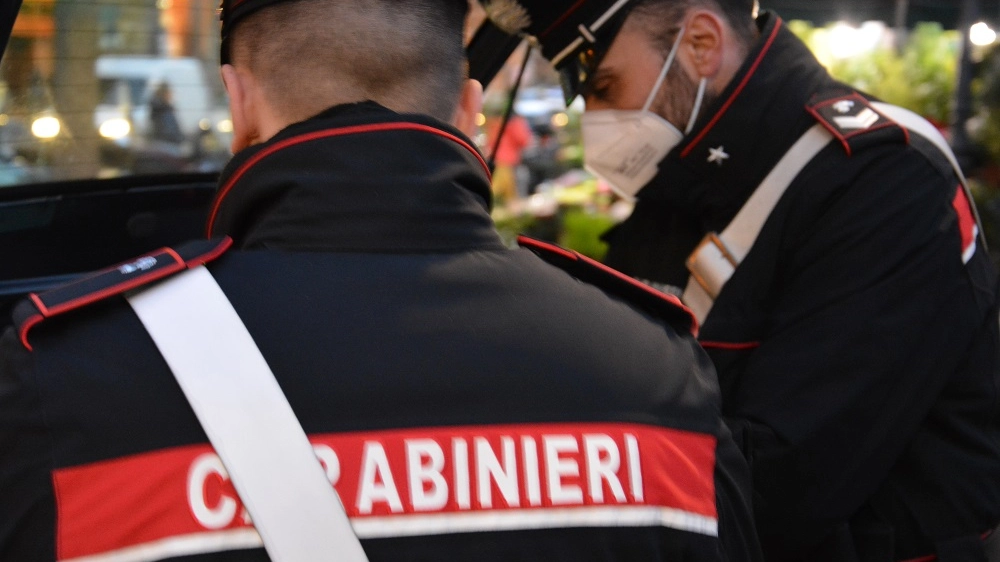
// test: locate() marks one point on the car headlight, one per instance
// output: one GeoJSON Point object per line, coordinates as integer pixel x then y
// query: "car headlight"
{"type": "Point", "coordinates": [114, 129]}
{"type": "Point", "coordinates": [46, 127]}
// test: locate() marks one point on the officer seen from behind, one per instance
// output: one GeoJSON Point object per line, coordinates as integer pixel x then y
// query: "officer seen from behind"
{"type": "Point", "coordinates": [469, 401]}
{"type": "Point", "coordinates": [850, 307]}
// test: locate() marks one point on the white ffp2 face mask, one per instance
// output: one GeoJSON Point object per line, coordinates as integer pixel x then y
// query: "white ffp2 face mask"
{"type": "Point", "coordinates": [625, 147]}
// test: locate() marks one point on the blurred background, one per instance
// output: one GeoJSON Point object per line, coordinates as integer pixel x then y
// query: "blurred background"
{"type": "Point", "coordinates": [113, 88]}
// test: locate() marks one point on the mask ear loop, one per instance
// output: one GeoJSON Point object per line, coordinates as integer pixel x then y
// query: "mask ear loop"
{"type": "Point", "coordinates": [663, 72]}
{"type": "Point", "coordinates": [697, 104]}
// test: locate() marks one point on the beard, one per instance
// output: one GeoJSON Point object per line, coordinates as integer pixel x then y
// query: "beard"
{"type": "Point", "coordinates": [676, 99]}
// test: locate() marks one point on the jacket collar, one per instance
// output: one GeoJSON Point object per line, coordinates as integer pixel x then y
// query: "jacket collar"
{"type": "Point", "coordinates": [358, 177]}
{"type": "Point", "coordinates": [744, 133]}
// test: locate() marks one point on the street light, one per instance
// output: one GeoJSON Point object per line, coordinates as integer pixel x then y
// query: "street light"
{"type": "Point", "coordinates": [981, 35]}
{"type": "Point", "coordinates": [115, 129]}
{"type": "Point", "coordinates": [846, 41]}
{"type": "Point", "coordinates": [46, 127]}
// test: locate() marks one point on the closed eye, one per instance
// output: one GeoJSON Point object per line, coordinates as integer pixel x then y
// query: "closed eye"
{"type": "Point", "coordinates": [598, 90]}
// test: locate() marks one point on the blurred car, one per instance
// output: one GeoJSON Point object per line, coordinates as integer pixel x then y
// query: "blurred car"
{"type": "Point", "coordinates": [545, 107]}
{"type": "Point", "coordinates": [126, 119]}
{"type": "Point", "coordinates": [26, 140]}
{"type": "Point", "coordinates": [82, 182]}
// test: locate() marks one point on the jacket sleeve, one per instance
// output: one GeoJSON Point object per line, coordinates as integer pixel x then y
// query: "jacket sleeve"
{"type": "Point", "coordinates": [870, 311]}
{"type": "Point", "coordinates": [27, 510]}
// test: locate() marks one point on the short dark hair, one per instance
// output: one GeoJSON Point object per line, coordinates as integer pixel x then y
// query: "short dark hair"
{"type": "Point", "coordinates": [308, 54]}
{"type": "Point", "coordinates": [739, 14]}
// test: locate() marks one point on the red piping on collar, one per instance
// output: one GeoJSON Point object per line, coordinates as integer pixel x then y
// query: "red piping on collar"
{"type": "Point", "coordinates": [739, 89]}
{"type": "Point", "coordinates": [329, 133]}
{"type": "Point", "coordinates": [561, 19]}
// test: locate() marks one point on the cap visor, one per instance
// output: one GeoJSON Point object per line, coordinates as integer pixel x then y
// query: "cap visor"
{"type": "Point", "coordinates": [488, 51]}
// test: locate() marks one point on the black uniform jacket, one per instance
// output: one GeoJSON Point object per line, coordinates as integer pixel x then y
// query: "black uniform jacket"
{"type": "Point", "coordinates": [470, 401]}
{"type": "Point", "coordinates": [856, 345]}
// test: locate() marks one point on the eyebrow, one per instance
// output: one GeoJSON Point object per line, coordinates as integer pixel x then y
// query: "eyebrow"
{"type": "Point", "coordinates": [602, 73]}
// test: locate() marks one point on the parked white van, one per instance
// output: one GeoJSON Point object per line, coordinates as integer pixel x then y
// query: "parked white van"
{"type": "Point", "coordinates": [128, 83]}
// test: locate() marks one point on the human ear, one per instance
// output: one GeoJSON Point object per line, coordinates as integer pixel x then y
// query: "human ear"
{"type": "Point", "coordinates": [704, 43]}
{"type": "Point", "coordinates": [470, 105]}
{"type": "Point", "coordinates": [241, 107]}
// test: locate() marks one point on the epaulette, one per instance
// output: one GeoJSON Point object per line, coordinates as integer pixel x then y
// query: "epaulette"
{"type": "Point", "coordinates": [853, 121]}
{"type": "Point", "coordinates": [115, 280]}
{"type": "Point", "coordinates": [592, 272]}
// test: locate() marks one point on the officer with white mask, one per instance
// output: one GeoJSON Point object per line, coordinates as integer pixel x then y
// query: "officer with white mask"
{"type": "Point", "coordinates": [829, 245]}
{"type": "Point", "coordinates": [625, 146]}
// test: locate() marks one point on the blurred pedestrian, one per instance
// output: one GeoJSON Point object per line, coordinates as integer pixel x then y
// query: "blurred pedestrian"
{"type": "Point", "coordinates": [542, 158]}
{"type": "Point", "coordinates": [507, 173]}
{"type": "Point", "coordinates": [163, 123]}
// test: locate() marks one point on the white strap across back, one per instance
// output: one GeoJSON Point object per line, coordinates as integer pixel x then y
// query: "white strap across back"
{"type": "Point", "coordinates": [247, 419]}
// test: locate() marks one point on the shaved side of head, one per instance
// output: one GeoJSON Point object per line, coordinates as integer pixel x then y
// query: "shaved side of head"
{"type": "Point", "coordinates": [308, 55]}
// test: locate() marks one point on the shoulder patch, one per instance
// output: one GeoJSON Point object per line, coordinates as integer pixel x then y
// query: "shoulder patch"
{"type": "Point", "coordinates": [113, 281]}
{"type": "Point", "coordinates": [853, 121]}
{"type": "Point", "coordinates": [615, 283]}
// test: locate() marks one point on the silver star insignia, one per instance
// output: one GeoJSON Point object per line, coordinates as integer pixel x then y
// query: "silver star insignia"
{"type": "Point", "coordinates": [717, 155]}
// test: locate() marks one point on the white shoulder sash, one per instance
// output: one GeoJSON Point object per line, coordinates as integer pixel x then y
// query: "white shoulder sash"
{"type": "Point", "coordinates": [248, 419]}
{"type": "Point", "coordinates": [715, 260]}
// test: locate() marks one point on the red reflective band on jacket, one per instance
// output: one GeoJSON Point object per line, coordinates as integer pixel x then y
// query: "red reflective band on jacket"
{"type": "Point", "coordinates": [403, 483]}
{"type": "Point", "coordinates": [966, 224]}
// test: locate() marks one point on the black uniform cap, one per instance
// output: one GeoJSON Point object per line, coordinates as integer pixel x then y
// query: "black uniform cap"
{"type": "Point", "coordinates": [232, 11]}
{"type": "Point", "coordinates": [573, 34]}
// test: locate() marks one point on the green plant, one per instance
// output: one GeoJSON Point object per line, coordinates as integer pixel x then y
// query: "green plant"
{"type": "Point", "coordinates": [582, 230]}
{"type": "Point", "coordinates": [510, 225]}
{"type": "Point", "coordinates": [922, 76]}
